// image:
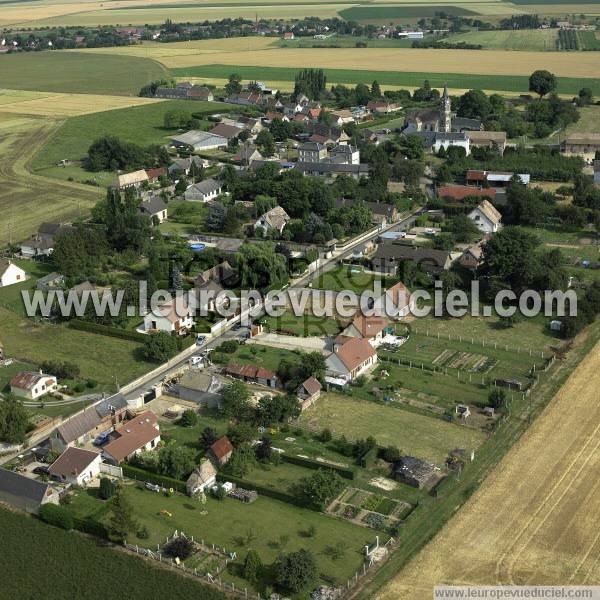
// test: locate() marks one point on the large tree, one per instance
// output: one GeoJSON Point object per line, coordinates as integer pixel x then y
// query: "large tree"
{"type": "Point", "coordinates": [14, 421]}
{"type": "Point", "coordinates": [236, 400]}
{"type": "Point", "coordinates": [122, 521]}
{"type": "Point", "coordinates": [542, 82]}
{"type": "Point", "coordinates": [294, 571]}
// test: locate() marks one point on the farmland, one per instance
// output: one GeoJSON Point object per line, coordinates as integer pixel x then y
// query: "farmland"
{"type": "Point", "coordinates": [76, 560]}
{"type": "Point", "coordinates": [537, 40]}
{"type": "Point", "coordinates": [533, 520]}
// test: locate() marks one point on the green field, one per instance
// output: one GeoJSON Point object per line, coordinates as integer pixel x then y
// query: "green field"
{"type": "Point", "coordinates": [78, 566]}
{"type": "Point", "coordinates": [507, 83]}
{"type": "Point", "coordinates": [589, 40]}
{"type": "Point", "coordinates": [526, 39]}
{"type": "Point", "coordinates": [344, 42]}
{"type": "Point", "coordinates": [78, 73]}
{"type": "Point", "coordinates": [394, 13]}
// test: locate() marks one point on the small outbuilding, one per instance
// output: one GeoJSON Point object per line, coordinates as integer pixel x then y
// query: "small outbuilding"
{"type": "Point", "coordinates": [221, 451]}
{"type": "Point", "coordinates": [308, 392]}
{"type": "Point", "coordinates": [416, 472]}
{"type": "Point", "coordinates": [203, 477]}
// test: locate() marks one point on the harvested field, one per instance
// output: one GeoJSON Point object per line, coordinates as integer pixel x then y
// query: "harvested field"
{"type": "Point", "coordinates": [534, 520]}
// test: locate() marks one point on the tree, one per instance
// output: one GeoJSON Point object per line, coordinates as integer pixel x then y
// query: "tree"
{"type": "Point", "coordinates": [189, 418]}
{"type": "Point", "coordinates": [176, 461]}
{"type": "Point", "coordinates": [55, 515]}
{"type": "Point", "coordinates": [266, 143]}
{"type": "Point", "coordinates": [234, 85]}
{"type": "Point", "coordinates": [121, 521]}
{"type": "Point", "coordinates": [294, 571]}
{"type": "Point", "coordinates": [585, 96]}
{"type": "Point", "coordinates": [236, 401]}
{"type": "Point", "coordinates": [240, 433]}
{"type": "Point", "coordinates": [497, 399]}
{"type": "Point", "coordinates": [474, 104]}
{"type": "Point", "coordinates": [260, 267]}
{"type": "Point", "coordinates": [264, 449]}
{"type": "Point", "coordinates": [174, 119]}
{"type": "Point", "coordinates": [179, 547]}
{"type": "Point", "coordinates": [216, 217]}
{"type": "Point", "coordinates": [108, 488]}
{"type": "Point", "coordinates": [159, 347]}
{"type": "Point", "coordinates": [542, 82]}
{"type": "Point", "coordinates": [318, 489]}
{"type": "Point", "coordinates": [375, 90]}
{"type": "Point", "coordinates": [242, 461]}
{"type": "Point", "coordinates": [208, 437]}
{"type": "Point", "coordinates": [277, 409]}
{"type": "Point", "coordinates": [252, 566]}
{"type": "Point", "coordinates": [14, 421]}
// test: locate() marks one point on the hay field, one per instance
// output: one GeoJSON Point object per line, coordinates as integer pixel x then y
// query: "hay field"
{"type": "Point", "coordinates": [26, 200]}
{"type": "Point", "coordinates": [64, 105]}
{"type": "Point", "coordinates": [492, 62]}
{"type": "Point", "coordinates": [534, 520]}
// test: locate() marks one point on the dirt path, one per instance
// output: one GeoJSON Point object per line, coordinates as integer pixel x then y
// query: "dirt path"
{"type": "Point", "coordinates": [535, 519]}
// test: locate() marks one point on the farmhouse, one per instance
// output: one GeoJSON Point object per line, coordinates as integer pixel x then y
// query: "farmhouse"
{"type": "Point", "coordinates": [382, 107]}
{"type": "Point", "coordinates": [156, 173]}
{"type": "Point", "coordinates": [253, 374]}
{"type": "Point", "coordinates": [197, 140]}
{"type": "Point", "coordinates": [472, 257]}
{"type": "Point", "coordinates": [460, 192]}
{"type": "Point", "coordinates": [154, 207]}
{"type": "Point", "coordinates": [342, 117]}
{"type": "Point", "coordinates": [350, 359]}
{"type": "Point", "coordinates": [221, 451]}
{"type": "Point", "coordinates": [31, 385]}
{"type": "Point", "coordinates": [203, 191]}
{"type": "Point", "coordinates": [585, 144]}
{"type": "Point", "coordinates": [247, 154]}
{"type": "Point", "coordinates": [52, 281]}
{"type": "Point", "coordinates": [203, 476]}
{"type": "Point", "coordinates": [87, 424]}
{"type": "Point", "coordinates": [10, 273]}
{"type": "Point", "coordinates": [25, 493]}
{"type": "Point", "coordinates": [76, 466]}
{"type": "Point", "coordinates": [174, 316]}
{"type": "Point", "coordinates": [141, 433]}
{"type": "Point", "coordinates": [486, 217]}
{"type": "Point", "coordinates": [183, 165]}
{"type": "Point", "coordinates": [133, 179]}
{"type": "Point", "coordinates": [308, 392]}
{"type": "Point", "coordinates": [274, 219]}
{"type": "Point", "coordinates": [388, 257]}
{"type": "Point", "coordinates": [416, 472]}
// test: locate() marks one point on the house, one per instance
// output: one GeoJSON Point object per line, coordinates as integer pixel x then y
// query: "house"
{"type": "Point", "coordinates": [135, 436]}
{"type": "Point", "coordinates": [396, 302]}
{"type": "Point", "coordinates": [52, 281]}
{"type": "Point", "coordinates": [155, 174]}
{"type": "Point", "coordinates": [585, 144]}
{"type": "Point", "coordinates": [154, 207]}
{"type": "Point", "coordinates": [42, 242]}
{"type": "Point", "coordinates": [197, 141]}
{"type": "Point", "coordinates": [460, 192]}
{"type": "Point", "coordinates": [247, 154]}
{"type": "Point", "coordinates": [388, 257]}
{"type": "Point", "coordinates": [486, 217]}
{"type": "Point", "coordinates": [368, 328]}
{"type": "Point", "coordinates": [254, 126]}
{"type": "Point", "coordinates": [416, 472]}
{"type": "Point", "coordinates": [342, 117]}
{"type": "Point", "coordinates": [330, 169]}
{"type": "Point", "coordinates": [134, 179]}
{"type": "Point", "coordinates": [496, 179]}
{"type": "Point", "coordinates": [350, 359]}
{"type": "Point", "coordinates": [227, 131]}
{"type": "Point", "coordinates": [76, 466]}
{"type": "Point", "coordinates": [472, 257]}
{"type": "Point", "coordinates": [24, 493]}
{"type": "Point", "coordinates": [32, 384]}
{"type": "Point", "coordinates": [383, 213]}
{"type": "Point", "coordinates": [174, 316]}
{"type": "Point", "coordinates": [184, 165]}
{"type": "Point", "coordinates": [487, 139]}
{"type": "Point", "coordinates": [10, 273]}
{"type": "Point", "coordinates": [273, 220]}
{"type": "Point", "coordinates": [203, 191]}
{"type": "Point", "coordinates": [308, 392]}
{"type": "Point", "coordinates": [345, 154]}
{"type": "Point", "coordinates": [223, 273]}
{"type": "Point", "coordinates": [451, 140]}
{"type": "Point", "coordinates": [382, 107]}
{"type": "Point", "coordinates": [85, 425]}
{"type": "Point", "coordinates": [221, 451]}
{"type": "Point", "coordinates": [200, 93]}
{"type": "Point", "coordinates": [312, 152]}
{"type": "Point", "coordinates": [288, 35]}
{"type": "Point", "coordinates": [203, 477]}
{"type": "Point", "coordinates": [271, 116]}
{"type": "Point", "coordinates": [252, 374]}
{"type": "Point", "coordinates": [202, 387]}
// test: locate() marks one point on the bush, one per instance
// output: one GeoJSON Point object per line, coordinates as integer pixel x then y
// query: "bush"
{"type": "Point", "coordinates": [228, 347]}
{"type": "Point", "coordinates": [57, 516]}
{"type": "Point", "coordinates": [160, 347]}
{"type": "Point", "coordinates": [143, 533]}
{"type": "Point", "coordinates": [390, 454]}
{"type": "Point", "coordinates": [189, 418]}
{"type": "Point", "coordinates": [179, 547]}
{"type": "Point", "coordinates": [325, 435]}
{"type": "Point", "coordinates": [62, 370]}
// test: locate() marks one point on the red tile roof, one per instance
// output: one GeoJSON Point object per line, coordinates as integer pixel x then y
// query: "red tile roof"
{"type": "Point", "coordinates": [312, 386]}
{"type": "Point", "coordinates": [221, 448]}
{"type": "Point", "coordinates": [369, 327]}
{"type": "Point", "coordinates": [135, 434]}
{"type": "Point", "coordinates": [355, 352]}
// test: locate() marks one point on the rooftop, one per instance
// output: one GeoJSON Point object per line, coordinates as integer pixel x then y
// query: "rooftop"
{"type": "Point", "coordinates": [73, 461]}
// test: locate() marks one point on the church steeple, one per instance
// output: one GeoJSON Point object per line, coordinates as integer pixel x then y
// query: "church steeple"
{"type": "Point", "coordinates": [446, 111]}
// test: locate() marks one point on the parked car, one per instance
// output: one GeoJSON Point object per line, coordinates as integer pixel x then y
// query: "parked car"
{"type": "Point", "coordinates": [41, 471]}
{"type": "Point", "coordinates": [102, 438]}
{"type": "Point", "coordinates": [200, 340]}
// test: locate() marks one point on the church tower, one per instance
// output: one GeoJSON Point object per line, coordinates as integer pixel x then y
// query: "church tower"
{"type": "Point", "coordinates": [446, 112]}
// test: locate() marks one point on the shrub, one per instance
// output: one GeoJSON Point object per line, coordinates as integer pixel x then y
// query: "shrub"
{"type": "Point", "coordinates": [143, 533]}
{"type": "Point", "coordinates": [57, 516]}
{"type": "Point", "coordinates": [107, 488]}
{"type": "Point", "coordinates": [294, 571]}
{"type": "Point", "coordinates": [179, 547]}
{"type": "Point", "coordinates": [189, 418]}
{"type": "Point", "coordinates": [228, 347]}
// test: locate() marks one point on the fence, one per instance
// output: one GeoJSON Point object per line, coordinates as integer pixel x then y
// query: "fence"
{"type": "Point", "coordinates": [111, 470]}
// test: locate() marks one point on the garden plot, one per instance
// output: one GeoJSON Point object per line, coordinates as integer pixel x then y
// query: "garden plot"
{"type": "Point", "coordinates": [466, 361]}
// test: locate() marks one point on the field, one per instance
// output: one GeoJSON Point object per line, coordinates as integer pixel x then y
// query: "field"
{"type": "Point", "coordinates": [76, 561]}
{"type": "Point", "coordinates": [78, 73]}
{"type": "Point", "coordinates": [387, 14]}
{"type": "Point", "coordinates": [415, 434]}
{"type": "Point", "coordinates": [533, 520]}
{"type": "Point", "coordinates": [20, 191]}
{"type": "Point", "coordinates": [532, 39]}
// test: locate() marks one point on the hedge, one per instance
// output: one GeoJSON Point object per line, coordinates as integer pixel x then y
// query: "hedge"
{"type": "Point", "coordinates": [315, 464]}
{"type": "Point", "coordinates": [368, 458]}
{"type": "Point", "coordinates": [56, 515]}
{"type": "Point", "coordinates": [91, 527]}
{"type": "Point", "coordinates": [143, 475]}
{"type": "Point", "coordinates": [123, 334]}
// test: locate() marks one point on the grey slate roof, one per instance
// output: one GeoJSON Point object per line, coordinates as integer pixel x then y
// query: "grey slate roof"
{"type": "Point", "coordinates": [328, 167]}
{"type": "Point", "coordinates": [153, 205]}
{"type": "Point", "coordinates": [20, 491]}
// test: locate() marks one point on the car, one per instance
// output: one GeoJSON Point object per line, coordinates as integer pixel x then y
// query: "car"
{"type": "Point", "coordinates": [102, 438]}
{"type": "Point", "coordinates": [153, 487]}
{"type": "Point", "coordinates": [200, 340]}
{"type": "Point", "coordinates": [41, 470]}
{"type": "Point", "coordinates": [430, 231]}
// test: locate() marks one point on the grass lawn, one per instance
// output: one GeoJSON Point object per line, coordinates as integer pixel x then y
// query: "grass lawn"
{"type": "Point", "coordinates": [140, 124]}
{"type": "Point", "coordinates": [305, 326]}
{"type": "Point", "coordinates": [77, 72]}
{"type": "Point", "coordinates": [351, 278]}
{"type": "Point", "coordinates": [263, 356]}
{"type": "Point", "coordinates": [415, 434]}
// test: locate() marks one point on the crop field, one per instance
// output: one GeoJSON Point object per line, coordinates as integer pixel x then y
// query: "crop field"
{"type": "Point", "coordinates": [415, 434]}
{"type": "Point", "coordinates": [533, 521]}
{"type": "Point", "coordinates": [537, 40]}
{"type": "Point", "coordinates": [78, 73]}
{"type": "Point", "coordinates": [75, 561]}
{"type": "Point", "coordinates": [21, 202]}
{"type": "Point", "coordinates": [388, 14]}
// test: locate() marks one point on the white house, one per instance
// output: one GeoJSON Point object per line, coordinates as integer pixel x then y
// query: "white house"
{"type": "Point", "coordinates": [486, 217]}
{"type": "Point", "coordinates": [345, 154]}
{"type": "Point", "coordinates": [174, 316]}
{"type": "Point", "coordinates": [274, 219]}
{"type": "Point", "coordinates": [355, 357]}
{"type": "Point", "coordinates": [31, 384]}
{"type": "Point", "coordinates": [10, 273]}
{"type": "Point", "coordinates": [135, 436]}
{"type": "Point", "coordinates": [451, 140]}
{"type": "Point", "coordinates": [395, 303]}
{"type": "Point", "coordinates": [154, 207]}
{"type": "Point", "coordinates": [76, 466]}
{"type": "Point", "coordinates": [204, 191]}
